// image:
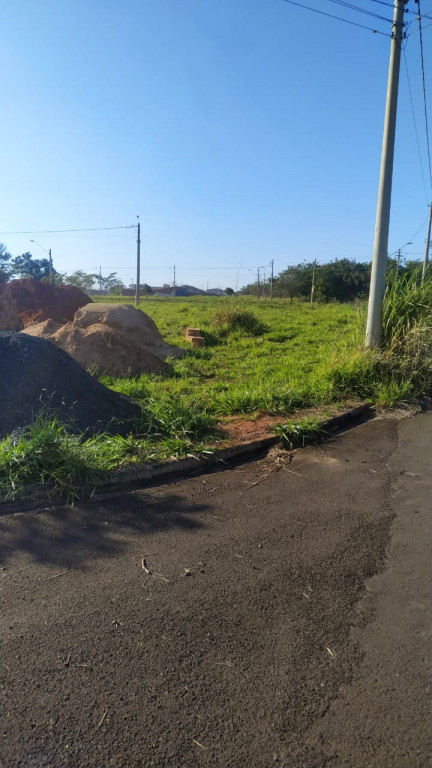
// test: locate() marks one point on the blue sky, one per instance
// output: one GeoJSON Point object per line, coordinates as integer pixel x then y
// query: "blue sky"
{"type": "Point", "coordinates": [240, 131]}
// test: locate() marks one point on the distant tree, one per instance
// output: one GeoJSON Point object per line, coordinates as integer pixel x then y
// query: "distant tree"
{"type": "Point", "coordinates": [109, 282]}
{"type": "Point", "coordinates": [116, 290]}
{"type": "Point", "coordinates": [339, 280]}
{"type": "Point", "coordinates": [81, 280]}
{"type": "Point", "coordinates": [26, 266]}
{"type": "Point", "coordinates": [5, 258]}
{"type": "Point", "coordinates": [57, 278]}
{"type": "Point", "coordinates": [288, 283]}
{"type": "Point", "coordinates": [249, 290]}
{"type": "Point", "coordinates": [295, 281]}
{"type": "Point", "coordinates": [229, 291]}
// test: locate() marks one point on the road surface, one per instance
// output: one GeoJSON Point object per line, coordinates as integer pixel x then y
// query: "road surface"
{"type": "Point", "coordinates": [277, 613]}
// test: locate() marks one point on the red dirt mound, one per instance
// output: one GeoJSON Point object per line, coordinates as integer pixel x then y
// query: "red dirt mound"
{"type": "Point", "coordinates": [36, 301]}
{"type": "Point", "coordinates": [9, 320]}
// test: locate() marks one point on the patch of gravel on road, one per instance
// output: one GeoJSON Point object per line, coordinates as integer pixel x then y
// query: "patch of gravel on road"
{"type": "Point", "coordinates": [38, 377]}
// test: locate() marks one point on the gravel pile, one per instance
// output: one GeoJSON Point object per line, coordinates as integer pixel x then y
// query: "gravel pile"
{"type": "Point", "coordinates": [36, 376]}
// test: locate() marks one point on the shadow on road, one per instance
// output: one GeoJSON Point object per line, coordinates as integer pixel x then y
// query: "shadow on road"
{"type": "Point", "coordinates": [69, 536]}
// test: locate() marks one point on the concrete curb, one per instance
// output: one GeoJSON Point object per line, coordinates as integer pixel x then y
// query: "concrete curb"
{"type": "Point", "coordinates": [170, 468]}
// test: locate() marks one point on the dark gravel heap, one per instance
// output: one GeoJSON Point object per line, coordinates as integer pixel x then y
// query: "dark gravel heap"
{"type": "Point", "coordinates": [36, 375]}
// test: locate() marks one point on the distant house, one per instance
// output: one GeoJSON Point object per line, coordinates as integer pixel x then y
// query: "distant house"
{"type": "Point", "coordinates": [180, 291]}
{"type": "Point", "coordinates": [166, 290]}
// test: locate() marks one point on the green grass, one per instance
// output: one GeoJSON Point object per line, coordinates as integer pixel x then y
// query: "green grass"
{"type": "Point", "coordinates": [48, 455]}
{"type": "Point", "coordinates": [262, 356]}
{"type": "Point", "coordinates": [305, 430]}
{"type": "Point", "coordinates": [285, 367]}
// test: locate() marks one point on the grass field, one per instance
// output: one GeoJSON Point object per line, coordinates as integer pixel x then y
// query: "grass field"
{"type": "Point", "coordinates": [267, 356]}
{"type": "Point", "coordinates": [280, 363]}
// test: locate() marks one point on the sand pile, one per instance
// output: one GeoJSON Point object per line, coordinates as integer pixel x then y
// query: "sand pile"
{"type": "Point", "coordinates": [36, 301]}
{"type": "Point", "coordinates": [114, 339]}
{"type": "Point", "coordinates": [128, 321]}
{"type": "Point", "coordinates": [36, 376]}
{"type": "Point", "coordinates": [9, 320]}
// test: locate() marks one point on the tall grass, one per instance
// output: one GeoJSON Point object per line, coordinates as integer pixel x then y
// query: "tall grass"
{"type": "Point", "coordinates": [407, 309]}
{"type": "Point", "coordinates": [402, 369]}
{"type": "Point", "coordinates": [71, 466]}
{"type": "Point", "coordinates": [48, 455]}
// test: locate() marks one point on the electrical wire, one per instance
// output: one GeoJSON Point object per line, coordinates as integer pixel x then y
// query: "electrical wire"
{"type": "Point", "coordinates": [415, 127]}
{"type": "Point", "coordinates": [424, 94]}
{"type": "Point", "coordinates": [416, 18]}
{"type": "Point", "coordinates": [352, 7]}
{"type": "Point", "coordinates": [420, 227]}
{"type": "Point", "coordinates": [54, 231]}
{"type": "Point", "coordinates": [339, 18]}
{"type": "Point", "coordinates": [382, 2]}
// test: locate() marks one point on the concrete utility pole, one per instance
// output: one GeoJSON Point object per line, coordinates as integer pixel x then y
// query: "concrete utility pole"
{"type": "Point", "coordinates": [398, 262]}
{"type": "Point", "coordinates": [426, 254]}
{"type": "Point", "coordinates": [258, 283]}
{"type": "Point", "coordinates": [313, 282]}
{"type": "Point", "coordinates": [379, 260]}
{"type": "Point", "coordinates": [271, 279]}
{"type": "Point", "coordinates": [174, 284]}
{"type": "Point", "coordinates": [138, 265]}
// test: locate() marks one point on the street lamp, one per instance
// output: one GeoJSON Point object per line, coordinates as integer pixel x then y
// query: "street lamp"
{"type": "Point", "coordinates": [51, 271]}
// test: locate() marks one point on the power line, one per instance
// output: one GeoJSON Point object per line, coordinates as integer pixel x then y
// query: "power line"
{"type": "Point", "coordinates": [420, 227]}
{"type": "Point", "coordinates": [185, 269]}
{"type": "Point", "coordinates": [415, 127]}
{"type": "Point", "coordinates": [416, 18]}
{"type": "Point", "coordinates": [55, 231]}
{"type": "Point", "coordinates": [382, 2]}
{"type": "Point", "coordinates": [339, 18]}
{"type": "Point", "coordinates": [424, 93]}
{"type": "Point", "coordinates": [352, 7]}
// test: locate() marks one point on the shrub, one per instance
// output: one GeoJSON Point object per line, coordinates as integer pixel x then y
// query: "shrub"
{"type": "Point", "coordinates": [237, 319]}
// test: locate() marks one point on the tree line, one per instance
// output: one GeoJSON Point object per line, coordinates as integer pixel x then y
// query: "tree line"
{"type": "Point", "coordinates": [26, 266]}
{"type": "Point", "coordinates": [342, 280]}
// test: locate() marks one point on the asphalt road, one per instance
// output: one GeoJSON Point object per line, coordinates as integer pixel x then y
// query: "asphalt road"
{"type": "Point", "coordinates": [274, 614]}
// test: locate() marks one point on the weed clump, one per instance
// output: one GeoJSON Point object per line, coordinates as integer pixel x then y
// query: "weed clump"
{"type": "Point", "coordinates": [237, 320]}
{"type": "Point", "coordinates": [295, 433]}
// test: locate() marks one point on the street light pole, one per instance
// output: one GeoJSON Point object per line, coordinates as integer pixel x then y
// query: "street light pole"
{"type": "Point", "coordinates": [51, 270]}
